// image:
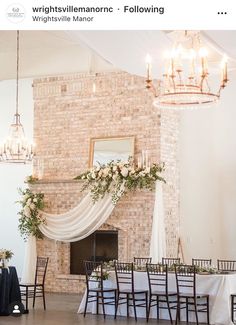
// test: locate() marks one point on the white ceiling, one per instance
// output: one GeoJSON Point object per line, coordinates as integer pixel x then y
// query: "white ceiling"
{"type": "Point", "coordinates": [44, 53]}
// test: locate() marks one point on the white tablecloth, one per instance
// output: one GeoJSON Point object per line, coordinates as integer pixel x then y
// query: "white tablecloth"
{"type": "Point", "coordinates": [218, 286]}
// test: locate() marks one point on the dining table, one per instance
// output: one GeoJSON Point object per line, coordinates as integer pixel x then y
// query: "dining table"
{"type": "Point", "coordinates": [219, 287]}
{"type": "Point", "coordinates": [9, 289]}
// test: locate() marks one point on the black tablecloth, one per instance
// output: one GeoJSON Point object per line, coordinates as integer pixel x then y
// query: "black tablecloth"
{"type": "Point", "coordinates": [9, 289]}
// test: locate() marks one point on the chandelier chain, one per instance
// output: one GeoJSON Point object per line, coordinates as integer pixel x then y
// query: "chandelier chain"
{"type": "Point", "coordinates": [17, 73]}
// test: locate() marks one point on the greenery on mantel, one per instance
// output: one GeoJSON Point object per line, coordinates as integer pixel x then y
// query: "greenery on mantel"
{"type": "Point", "coordinates": [118, 177]}
{"type": "Point", "coordinates": [31, 179]}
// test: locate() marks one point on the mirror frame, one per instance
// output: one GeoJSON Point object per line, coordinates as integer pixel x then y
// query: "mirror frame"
{"type": "Point", "coordinates": [93, 140]}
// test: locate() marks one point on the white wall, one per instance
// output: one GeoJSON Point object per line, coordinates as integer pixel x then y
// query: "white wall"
{"type": "Point", "coordinates": [208, 179]}
{"type": "Point", "coordinates": [12, 175]}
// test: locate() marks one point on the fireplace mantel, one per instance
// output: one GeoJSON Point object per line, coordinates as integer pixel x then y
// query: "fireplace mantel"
{"type": "Point", "coordinates": [56, 181]}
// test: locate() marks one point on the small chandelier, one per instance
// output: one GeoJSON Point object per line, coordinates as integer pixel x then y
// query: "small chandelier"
{"type": "Point", "coordinates": [185, 83]}
{"type": "Point", "coordinates": [16, 148]}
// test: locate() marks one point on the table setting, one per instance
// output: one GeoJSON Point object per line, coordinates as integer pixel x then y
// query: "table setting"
{"type": "Point", "coordinates": [218, 284]}
{"type": "Point", "coordinates": [9, 283]}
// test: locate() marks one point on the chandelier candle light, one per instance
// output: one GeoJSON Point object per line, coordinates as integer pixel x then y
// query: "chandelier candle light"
{"type": "Point", "coordinates": [16, 148]}
{"type": "Point", "coordinates": [185, 82]}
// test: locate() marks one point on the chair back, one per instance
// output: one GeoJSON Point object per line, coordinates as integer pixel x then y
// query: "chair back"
{"type": "Point", "coordinates": [157, 277]}
{"type": "Point", "coordinates": [124, 276]}
{"type": "Point", "coordinates": [41, 270]}
{"type": "Point", "coordinates": [94, 274]}
{"type": "Point", "coordinates": [186, 279]}
{"type": "Point", "coordinates": [142, 260]}
{"type": "Point", "coordinates": [226, 265]}
{"type": "Point", "coordinates": [170, 260]}
{"type": "Point", "coordinates": [201, 262]}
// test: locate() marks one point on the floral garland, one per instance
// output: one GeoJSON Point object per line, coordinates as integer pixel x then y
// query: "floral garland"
{"type": "Point", "coordinates": [118, 177]}
{"type": "Point", "coordinates": [30, 218]}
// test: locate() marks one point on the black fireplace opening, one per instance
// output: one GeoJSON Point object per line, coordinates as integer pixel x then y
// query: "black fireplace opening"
{"type": "Point", "coordinates": [102, 245]}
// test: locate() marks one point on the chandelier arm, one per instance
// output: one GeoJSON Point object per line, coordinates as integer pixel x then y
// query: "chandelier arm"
{"type": "Point", "coordinates": [208, 86]}
{"type": "Point", "coordinates": [202, 81]}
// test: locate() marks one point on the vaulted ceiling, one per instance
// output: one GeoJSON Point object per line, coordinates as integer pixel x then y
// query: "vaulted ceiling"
{"type": "Point", "coordinates": [44, 53]}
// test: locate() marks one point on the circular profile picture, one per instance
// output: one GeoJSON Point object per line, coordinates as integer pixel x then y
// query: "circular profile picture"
{"type": "Point", "coordinates": [16, 309]}
{"type": "Point", "coordinates": [15, 13]}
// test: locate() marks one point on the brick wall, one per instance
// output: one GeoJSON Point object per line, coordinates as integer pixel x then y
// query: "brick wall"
{"type": "Point", "coordinates": [67, 115]}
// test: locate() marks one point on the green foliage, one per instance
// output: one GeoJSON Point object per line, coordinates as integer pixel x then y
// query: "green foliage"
{"type": "Point", "coordinates": [29, 217]}
{"type": "Point", "coordinates": [119, 177]}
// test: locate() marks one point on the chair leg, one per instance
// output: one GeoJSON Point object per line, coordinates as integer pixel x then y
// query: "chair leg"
{"type": "Point", "coordinates": [44, 300]}
{"type": "Point", "coordinates": [187, 309]}
{"type": "Point", "coordinates": [149, 305]}
{"type": "Point", "coordinates": [146, 301]}
{"type": "Point", "coordinates": [86, 303]}
{"type": "Point", "coordinates": [117, 303]}
{"type": "Point", "coordinates": [34, 296]}
{"type": "Point", "coordinates": [158, 316]}
{"type": "Point", "coordinates": [208, 312]}
{"type": "Point", "coordinates": [115, 299]}
{"type": "Point", "coordinates": [127, 298]}
{"type": "Point", "coordinates": [177, 316]}
{"type": "Point", "coordinates": [103, 306]}
{"type": "Point", "coordinates": [26, 299]}
{"type": "Point", "coordinates": [97, 304]}
{"type": "Point", "coordinates": [232, 308]}
{"type": "Point", "coordinates": [169, 310]}
{"type": "Point", "coordinates": [134, 305]}
{"type": "Point", "coordinates": [195, 307]}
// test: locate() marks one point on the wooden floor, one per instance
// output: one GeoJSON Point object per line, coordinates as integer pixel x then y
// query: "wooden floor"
{"type": "Point", "coordinates": [62, 310]}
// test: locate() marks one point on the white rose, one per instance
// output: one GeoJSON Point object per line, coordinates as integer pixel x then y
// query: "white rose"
{"type": "Point", "coordinates": [28, 202]}
{"type": "Point", "coordinates": [35, 200]}
{"type": "Point", "coordinates": [114, 177]}
{"type": "Point", "coordinates": [105, 172]}
{"type": "Point", "coordinates": [124, 172]}
{"type": "Point", "coordinates": [142, 173]}
{"type": "Point", "coordinates": [93, 175]}
{"type": "Point", "coordinates": [32, 206]}
{"type": "Point", "coordinates": [27, 211]}
{"type": "Point", "coordinates": [25, 197]}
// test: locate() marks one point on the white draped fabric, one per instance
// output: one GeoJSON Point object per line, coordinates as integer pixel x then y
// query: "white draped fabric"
{"type": "Point", "coordinates": [79, 222]}
{"type": "Point", "coordinates": [86, 218]}
{"type": "Point", "coordinates": [28, 273]}
{"type": "Point", "coordinates": [158, 238]}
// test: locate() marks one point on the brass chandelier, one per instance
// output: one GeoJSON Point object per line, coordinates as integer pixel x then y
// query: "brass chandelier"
{"type": "Point", "coordinates": [16, 148]}
{"type": "Point", "coordinates": [185, 82]}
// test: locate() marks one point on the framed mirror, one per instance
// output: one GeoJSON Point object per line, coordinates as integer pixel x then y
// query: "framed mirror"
{"type": "Point", "coordinates": [103, 150]}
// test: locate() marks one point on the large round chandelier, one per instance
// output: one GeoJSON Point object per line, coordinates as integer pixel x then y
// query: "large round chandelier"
{"type": "Point", "coordinates": [16, 148]}
{"type": "Point", "coordinates": [185, 82]}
